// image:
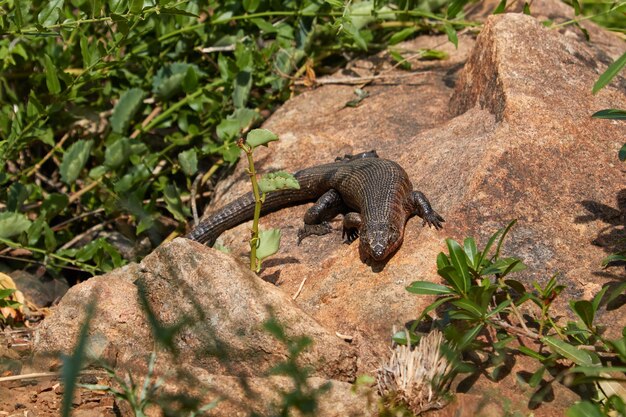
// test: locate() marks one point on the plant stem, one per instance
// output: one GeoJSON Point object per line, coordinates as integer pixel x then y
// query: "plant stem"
{"type": "Point", "coordinates": [254, 238]}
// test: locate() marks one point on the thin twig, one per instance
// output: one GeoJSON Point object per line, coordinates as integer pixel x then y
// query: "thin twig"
{"type": "Point", "coordinates": [87, 232]}
{"type": "Point", "coordinates": [48, 155]}
{"type": "Point", "coordinates": [299, 289]}
{"type": "Point", "coordinates": [59, 226]}
{"type": "Point", "coordinates": [359, 80]}
{"type": "Point", "coordinates": [192, 200]}
{"type": "Point", "coordinates": [208, 50]}
{"type": "Point", "coordinates": [154, 113]}
{"type": "Point", "coordinates": [46, 375]}
{"type": "Point", "coordinates": [84, 190]}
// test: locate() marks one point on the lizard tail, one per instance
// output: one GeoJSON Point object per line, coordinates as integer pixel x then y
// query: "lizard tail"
{"type": "Point", "coordinates": [242, 210]}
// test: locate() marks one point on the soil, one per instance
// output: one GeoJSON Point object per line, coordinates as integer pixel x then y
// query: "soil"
{"type": "Point", "coordinates": [41, 394]}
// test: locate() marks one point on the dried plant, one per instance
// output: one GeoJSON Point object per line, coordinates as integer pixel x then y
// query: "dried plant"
{"type": "Point", "coordinates": [418, 377]}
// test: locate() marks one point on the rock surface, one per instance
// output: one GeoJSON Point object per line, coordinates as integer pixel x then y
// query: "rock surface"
{"type": "Point", "coordinates": [210, 306]}
{"type": "Point", "coordinates": [500, 130]}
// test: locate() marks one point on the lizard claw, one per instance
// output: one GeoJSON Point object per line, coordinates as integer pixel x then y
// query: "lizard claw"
{"type": "Point", "coordinates": [350, 234]}
{"type": "Point", "coordinates": [433, 219]}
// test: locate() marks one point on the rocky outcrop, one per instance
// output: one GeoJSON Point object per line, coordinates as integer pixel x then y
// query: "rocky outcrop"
{"type": "Point", "coordinates": [500, 130]}
{"type": "Point", "coordinates": [205, 307]}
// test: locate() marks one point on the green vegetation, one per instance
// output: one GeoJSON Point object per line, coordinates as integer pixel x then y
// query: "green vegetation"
{"type": "Point", "coordinates": [115, 113]}
{"type": "Point", "coordinates": [491, 317]}
{"type": "Point", "coordinates": [263, 243]}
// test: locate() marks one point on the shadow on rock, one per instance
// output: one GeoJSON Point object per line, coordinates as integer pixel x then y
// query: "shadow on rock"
{"type": "Point", "coordinates": [611, 237]}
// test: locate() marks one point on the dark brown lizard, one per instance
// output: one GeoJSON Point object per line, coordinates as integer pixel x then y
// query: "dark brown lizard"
{"type": "Point", "coordinates": [374, 194]}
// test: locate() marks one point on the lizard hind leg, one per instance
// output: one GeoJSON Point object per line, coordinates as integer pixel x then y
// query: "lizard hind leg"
{"type": "Point", "coordinates": [420, 206]}
{"type": "Point", "coordinates": [316, 219]}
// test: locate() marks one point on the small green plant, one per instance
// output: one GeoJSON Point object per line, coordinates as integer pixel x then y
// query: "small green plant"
{"type": "Point", "coordinates": [263, 243]}
{"type": "Point", "coordinates": [484, 310]}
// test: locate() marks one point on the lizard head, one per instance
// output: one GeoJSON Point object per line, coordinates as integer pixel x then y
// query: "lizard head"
{"type": "Point", "coordinates": [378, 241]}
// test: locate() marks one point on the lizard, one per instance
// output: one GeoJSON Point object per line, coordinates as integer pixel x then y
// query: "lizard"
{"type": "Point", "coordinates": [374, 194]}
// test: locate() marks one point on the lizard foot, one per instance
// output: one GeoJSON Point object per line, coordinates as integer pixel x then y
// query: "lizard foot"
{"type": "Point", "coordinates": [433, 219]}
{"type": "Point", "coordinates": [314, 229]}
{"type": "Point", "coordinates": [350, 234]}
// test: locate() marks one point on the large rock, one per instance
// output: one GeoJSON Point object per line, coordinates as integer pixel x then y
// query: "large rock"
{"type": "Point", "coordinates": [511, 138]}
{"type": "Point", "coordinates": [214, 307]}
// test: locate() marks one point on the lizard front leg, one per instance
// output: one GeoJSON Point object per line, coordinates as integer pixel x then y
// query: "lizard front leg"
{"type": "Point", "coordinates": [326, 208]}
{"type": "Point", "coordinates": [351, 226]}
{"type": "Point", "coordinates": [419, 204]}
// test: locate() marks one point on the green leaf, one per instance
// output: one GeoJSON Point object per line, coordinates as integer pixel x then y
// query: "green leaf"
{"type": "Point", "coordinates": [504, 304]}
{"type": "Point", "coordinates": [242, 87]}
{"type": "Point", "coordinates": [450, 274]}
{"type": "Point", "coordinates": [454, 7]}
{"type": "Point", "coordinates": [174, 203]}
{"type": "Point", "coordinates": [584, 309]}
{"type": "Point", "coordinates": [89, 52]}
{"type": "Point", "coordinates": [189, 161]}
{"type": "Point", "coordinates": [537, 377]}
{"type": "Point", "coordinates": [130, 102]}
{"type": "Point", "coordinates": [501, 7]}
{"type": "Point", "coordinates": [49, 15]}
{"type": "Point", "coordinates": [402, 35]}
{"type": "Point", "coordinates": [504, 265]}
{"type": "Point", "coordinates": [622, 153]}
{"type": "Point", "coordinates": [452, 36]}
{"type": "Point", "coordinates": [459, 262]}
{"type": "Point", "coordinates": [269, 243]}
{"type": "Point", "coordinates": [579, 357]}
{"type": "Point", "coordinates": [52, 79]}
{"type": "Point", "coordinates": [610, 73]}
{"type": "Point", "coordinates": [433, 54]}
{"type": "Point", "coordinates": [264, 25]}
{"type": "Point", "coordinates": [471, 251]}
{"type": "Point", "coordinates": [585, 409]}
{"type": "Point", "coordinates": [430, 308]}
{"type": "Point", "coordinates": [516, 285]}
{"type": "Point", "coordinates": [610, 114]}
{"type": "Point", "coordinates": [251, 5]}
{"type": "Point", "coordinates": [74, 160]}
{"type": "Point", "coordinates": [6, 292]}
{"type": "Point", "coordinates": [526, 9]}
{"type": "Point", "coordinates": [278, 181]}
{"type": "Point", "coordinates": [469, 336]}
{"type": "Point", "coordinates": [54, 204]}
{"type": "Point", "coordinates": [190, 82]}
{"type": "Point", "coordinates": [531, 353]}
{"type": "Point", "coordinates": [16, 197]}
{"type": "Point", "coordinates": [615, 257]}
{"type": "Point", "coordinates": [34, 107]}
{"type": "Point", "coordinates": [469, 306]}
{"type": "Point", "coordinates": [399, 59]}
{"type": "Point", "coordinates": [12, 224]}
{"type": "Point", "coordinates": [175, 11]}
{"type": "Point", "coordinates": [442, 260]}
{"type": "Point", "coordinates": [258, 137]}
{"type": "Point", "coordinates": [400, 338]}
{"type": "Point", "coordinates": [502, 236]}
{"type": "Point", "coordinates": [428, 288]}
{"type": "Point", "coordinates": [117, 153]}
{"type": "Point", "coordinates": [354, 34]}
{"type": "Point", "coordinates": [135, 6]}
